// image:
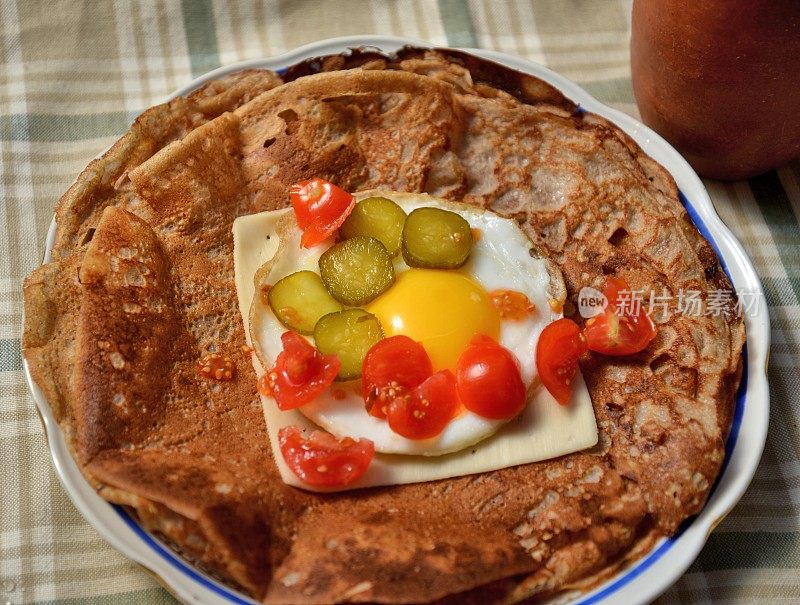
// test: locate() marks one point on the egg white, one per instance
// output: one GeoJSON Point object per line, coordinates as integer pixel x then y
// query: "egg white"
{"type": "Point", "coordinates": [500, 259]}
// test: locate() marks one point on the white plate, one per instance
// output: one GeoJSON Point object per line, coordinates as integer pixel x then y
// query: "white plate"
{"type": "Point", "coordinates": [650, 575]}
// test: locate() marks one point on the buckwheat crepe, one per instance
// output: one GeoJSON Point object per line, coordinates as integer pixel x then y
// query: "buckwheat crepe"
{"type": "Point", "coordinates": [141, 286]}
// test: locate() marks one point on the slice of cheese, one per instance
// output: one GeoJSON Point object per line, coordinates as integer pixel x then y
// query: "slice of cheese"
{"type": "Point", "coordinates": [544, 430]}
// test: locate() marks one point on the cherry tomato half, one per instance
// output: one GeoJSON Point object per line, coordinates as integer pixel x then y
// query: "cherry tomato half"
{"type": "Point", "coordinates": [392, 367]}
{"type": "Point", "coordinates": [622, 329]}
{"type": "Point", "coordinates": [300, 374]}
{"type": "Point", "coordinates": [611, 289]}
{"type": "Point", "coordinates": [560, 345]}
{"type": "Point", "coordinates": [323, 461]}
{"type": "Point", "coordinates": [488, 380]}
{"type": "Point", "coordinates": [320, 207]}
{"type": "Point", "coordinates": [425, 411]}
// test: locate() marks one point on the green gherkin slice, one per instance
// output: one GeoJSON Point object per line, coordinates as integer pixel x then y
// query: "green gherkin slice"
{"type": "Point", "coordinates": [348, 334]}
{"type": "Point", "coordinates": [300, 299]}
{"type": "Point", "coordinates": [436, 239]}
{"type": "Point", "coordinates": [377, 217]}
{"type": "Point", "coordinates": [356, 270]}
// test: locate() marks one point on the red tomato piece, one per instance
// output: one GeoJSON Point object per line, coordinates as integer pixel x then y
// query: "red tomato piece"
{"type": "Point", "coordinates": [560, 345]}
{"type": "Point", "coordinates": [488, 380]}
{"type": "Point", "coordinates": [611, 289]}
{"type": "Point", "coordinates": [216, 367]}
{"type": "Point", "coordinates": [622, 329]}
{"type": "Point", "coordinates": [511, 304]}
{"type": "Point", "coordinates": [425, 411]}
{"type": "Point", "coordinates": [320, 207]}
{"type": "Point", "coordinates": [392, 367]}
{"type": "Point", "coordinates": [322, 460]}
{"type": "Point", "coordinates": [300, 374]}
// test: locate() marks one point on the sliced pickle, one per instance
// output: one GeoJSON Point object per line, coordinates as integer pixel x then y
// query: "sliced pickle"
{"type": "Point", "coordinates": [300, 299]}
{"type": "Point", "coordinates": [348, 334]}
{"type": "Point", "coordinates": [436, 239]}
{"type": "Point", "coordinates": [377, 217]}
{"type": "Point", "coordinates": [356, 270]}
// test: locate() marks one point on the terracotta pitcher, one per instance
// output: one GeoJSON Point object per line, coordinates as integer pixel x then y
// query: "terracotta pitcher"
{"type": "Point", "coordinates": [720, 80]}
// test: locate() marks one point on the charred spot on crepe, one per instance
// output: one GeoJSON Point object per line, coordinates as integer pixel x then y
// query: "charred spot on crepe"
{"type": "Point", "coordinates": [506, 535]}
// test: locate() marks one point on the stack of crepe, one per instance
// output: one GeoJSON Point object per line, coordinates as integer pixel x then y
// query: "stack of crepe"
{"type": "Point", "coordinates": [141, 285]}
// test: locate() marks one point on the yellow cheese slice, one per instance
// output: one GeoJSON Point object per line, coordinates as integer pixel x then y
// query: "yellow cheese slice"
{"type": "Point", "coordinates": [544, 430]}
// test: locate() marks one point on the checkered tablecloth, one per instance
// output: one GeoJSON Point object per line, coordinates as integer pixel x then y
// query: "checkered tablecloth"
{"type": "Point", "coordinates": [74, 74]}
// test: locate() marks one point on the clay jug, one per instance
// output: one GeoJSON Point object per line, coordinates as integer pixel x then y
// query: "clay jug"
{"type": "Point", "coordinates": [720, 80]}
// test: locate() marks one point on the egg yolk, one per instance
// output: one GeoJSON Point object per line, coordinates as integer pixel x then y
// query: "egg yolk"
{"type": "Point", "coordinates": [441, 309]}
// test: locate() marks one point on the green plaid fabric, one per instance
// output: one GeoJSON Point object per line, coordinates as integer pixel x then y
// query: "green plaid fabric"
{"type": "Point", "coordinates": [74, 73]}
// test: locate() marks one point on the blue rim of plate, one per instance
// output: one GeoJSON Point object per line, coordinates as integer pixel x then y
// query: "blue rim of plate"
{"type": "Point", "coordinates": [632, 572]}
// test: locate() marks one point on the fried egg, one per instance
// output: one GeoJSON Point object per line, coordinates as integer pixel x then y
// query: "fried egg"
{"type": "Point", "coordinates": [442, 309]}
